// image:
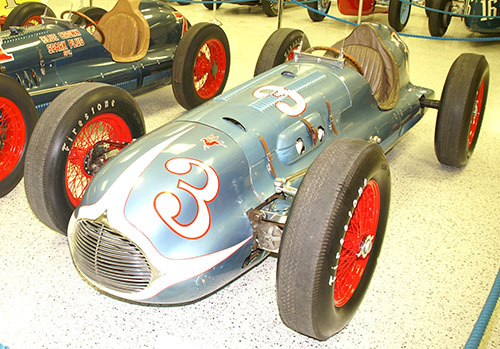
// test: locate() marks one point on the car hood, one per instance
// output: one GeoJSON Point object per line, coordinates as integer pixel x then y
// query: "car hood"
{"type": "Point", "coordinates": [184, 190]}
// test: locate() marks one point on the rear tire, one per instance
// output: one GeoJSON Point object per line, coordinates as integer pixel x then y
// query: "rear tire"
{"type": "Point", "coordinates": [461, 110]}
{"type": "Point", "coordinates": [18, 117]}
{"type": "Point", "coordinates": [439, 22]}
{"type": "Point", "coordinates": [202, 55]}
{"type": "Point", "coordinates": [27, 14]}
{"type": "Point", "coordinates": [57, 169]}
{"type": "Point", "coordinates": [399, 14]}
{"type": "Point", "coordinates": [326, 260]}
{"type": "Point", "coordinates": [279, 48]}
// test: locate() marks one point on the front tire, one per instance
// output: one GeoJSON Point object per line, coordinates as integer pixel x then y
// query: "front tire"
{"type": "Point", "coordinates": [320, 5]}
{"type": "Point", "coordinates": [439, 22]}
{"type": "Point", "coordinates": [27, 14]}
{"type": "Point", "coordinates": [201, 65]}
{"type": "Point", "coordinates": [333, 237]}
{"type": "Point", "coordinates": [399, 14]}
{"type": "Point", "coordinates": [58, 168]}
{"type": "Point", "coordinates": [18, 117]}
{"type": "Point", "coordinates": [461, 110]}
{"type": "Point", "coordinates": [279, 48]}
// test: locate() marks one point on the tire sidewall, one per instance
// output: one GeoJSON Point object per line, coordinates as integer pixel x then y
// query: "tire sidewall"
{"type": "Point", "coordinates": [90, 107]}
{"type": "Point", "coordinates": [337, 317]}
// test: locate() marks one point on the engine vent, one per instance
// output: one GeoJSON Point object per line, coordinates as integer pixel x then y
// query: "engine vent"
{"type": "Point", "coordinates": [109, 259]}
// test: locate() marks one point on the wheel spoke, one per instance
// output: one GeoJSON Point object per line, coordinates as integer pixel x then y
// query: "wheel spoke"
{"type": "Point", "coordinates": [210, 68]}
{"type": "Point", "coordinates": [357, 244]}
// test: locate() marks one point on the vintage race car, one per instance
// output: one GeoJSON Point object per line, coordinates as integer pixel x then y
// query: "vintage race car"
{"type": "Point", "coordinates": [291, 162]}
{"type": "Point", "coordinates": [138, 45]}
{"type": "Point", "coordinates": [483, 16]}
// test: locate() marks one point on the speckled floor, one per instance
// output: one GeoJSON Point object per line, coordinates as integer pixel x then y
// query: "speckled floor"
{"type": "Point", "coordinates": [439, 260]}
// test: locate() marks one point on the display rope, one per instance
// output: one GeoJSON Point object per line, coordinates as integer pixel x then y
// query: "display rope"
{"type": "Point", "coordinates": [485, 315]}
{"type": "Point", "coordinates": [417, 36]}
{"type": "Point", "coordinates": [401, 34]}
{"type": "Point", "coordinates": [454, 14]}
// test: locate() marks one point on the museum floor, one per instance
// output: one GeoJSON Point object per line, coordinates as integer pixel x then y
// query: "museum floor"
{"type": "Point", "coordinates": [440, 256]}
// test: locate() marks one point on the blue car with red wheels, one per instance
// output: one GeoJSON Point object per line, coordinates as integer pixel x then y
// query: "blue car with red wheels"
{"type": "Point", "coordinates": [291, 162]}
{"type": "Point", "coordinates": [138, 46]}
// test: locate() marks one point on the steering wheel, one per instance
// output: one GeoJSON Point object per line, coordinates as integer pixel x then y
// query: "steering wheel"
{"type": "Point", "coordinates": [337, 53]}
{"type": "Point", "coordinates": [88, 19]}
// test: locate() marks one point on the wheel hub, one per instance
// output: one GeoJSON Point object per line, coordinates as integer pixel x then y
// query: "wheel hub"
{"type": "Point", "coordinates": [214, 69]}
{"type": "Point", "coordinates": [99, 154]}
{"type": "Point", "coordinates": [365, 247]}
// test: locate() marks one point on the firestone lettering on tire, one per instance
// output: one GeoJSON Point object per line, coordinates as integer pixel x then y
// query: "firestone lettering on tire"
{"type": "Point", "coordinates": [81, 122]}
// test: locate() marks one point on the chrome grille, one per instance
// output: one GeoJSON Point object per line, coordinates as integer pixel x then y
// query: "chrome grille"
{"type": "Point", "coordinates": [109, 259]}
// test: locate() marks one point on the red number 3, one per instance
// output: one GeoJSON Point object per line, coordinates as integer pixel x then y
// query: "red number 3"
{"type": "Point", "coordinates": [168, 205]}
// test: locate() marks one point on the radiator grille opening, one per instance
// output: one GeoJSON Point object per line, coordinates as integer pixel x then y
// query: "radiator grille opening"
{"type": "Point", "coordinates": [109, 259]}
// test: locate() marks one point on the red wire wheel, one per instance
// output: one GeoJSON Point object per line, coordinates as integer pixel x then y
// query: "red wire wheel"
{"type": "Point", "coordinates": [209, 68]}
{"type": "Point", "coordinates": [12, 136]}
{"type": "Point", "coordinates": [358, 243]}
{"type": "Point", "coordinates": [201, 65]}
{"type": "Point", "coordinates": [105, 127]}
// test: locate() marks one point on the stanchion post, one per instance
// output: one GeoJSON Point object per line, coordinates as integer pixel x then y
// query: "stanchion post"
{"type": "Point", "coordinates": [280, 12]}
{"type": "Point", "coordinates": [360, 10]}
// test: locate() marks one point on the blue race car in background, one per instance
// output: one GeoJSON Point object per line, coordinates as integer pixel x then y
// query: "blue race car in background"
{"type": "Point", "coordinates": [138, 45]}
{"type": "Point", "coordinates": [291, 162]}
{"type": "Point", "coordinates": [483, 16]}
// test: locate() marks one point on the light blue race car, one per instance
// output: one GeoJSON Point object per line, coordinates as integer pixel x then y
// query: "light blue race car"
{"type": "Point", "coordinates": [291, 162]}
